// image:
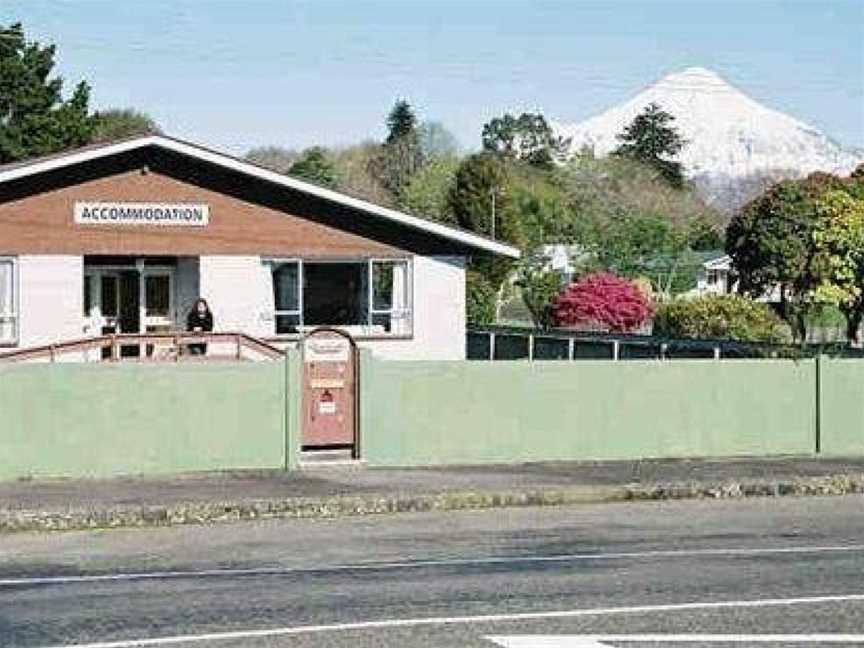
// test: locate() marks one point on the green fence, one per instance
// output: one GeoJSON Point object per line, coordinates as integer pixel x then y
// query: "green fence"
{"type": "Point", "coordinates": [841, 405]}
{"type": "Point", "coordinates": [97, 420]}
{"type": "Point", "coordinates": [106, 419]}
{"type": "Point", "coordinates": [416, 413]}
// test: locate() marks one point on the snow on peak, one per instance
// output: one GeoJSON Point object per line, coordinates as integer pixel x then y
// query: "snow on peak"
{"type": "Point", "coordinates": [729, 134]}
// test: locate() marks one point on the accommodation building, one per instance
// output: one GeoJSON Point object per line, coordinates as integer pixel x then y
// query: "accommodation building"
{"type": "Point", "coordinates": [124, 237]}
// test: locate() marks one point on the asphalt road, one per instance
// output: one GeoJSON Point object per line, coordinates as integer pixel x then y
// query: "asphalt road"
{"type": "Point", "coordinates": [785, 567]}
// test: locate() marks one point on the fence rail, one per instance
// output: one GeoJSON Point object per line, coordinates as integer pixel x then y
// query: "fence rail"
{"type": "Point", "coordinates": [515, 343]}
{"type": "Point", "coordinates": [152, 347]}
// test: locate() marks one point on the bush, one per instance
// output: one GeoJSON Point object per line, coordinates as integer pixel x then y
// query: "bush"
{"type": "Point", "coordinates": [719, 316]}
{"type": "Point", "coordinates": [480, 299]}
{"type": "Point", "coordinates": [602, 300]}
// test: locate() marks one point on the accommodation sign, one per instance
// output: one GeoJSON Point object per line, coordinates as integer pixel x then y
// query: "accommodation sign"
{"type": "Point", "coordinates": [123, 213]}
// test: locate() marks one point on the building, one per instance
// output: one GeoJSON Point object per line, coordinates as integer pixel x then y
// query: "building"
{"type": "Point", "coordinates": [124, 237]}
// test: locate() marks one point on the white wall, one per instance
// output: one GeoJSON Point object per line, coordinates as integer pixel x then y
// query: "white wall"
{"type": "Point", "coordinates": [239, 291]}
{"type": "Point", "coordinates": [50, 298]}
{"type": "Point", "coordinates": [439, 313]}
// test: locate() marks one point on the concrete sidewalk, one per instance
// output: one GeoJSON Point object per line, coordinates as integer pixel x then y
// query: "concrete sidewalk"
{"type": "Point", "coordinates": [329, 491]}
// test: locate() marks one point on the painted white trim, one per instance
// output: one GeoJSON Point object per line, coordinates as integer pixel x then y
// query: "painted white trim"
{"type": "Point", "coordinates": [384, 624]}
{"type": "Point", "coordinates": [240, 166]}
{"type": "Point", "coordinates": [14, 315]}
{"type": "Point", "coordinates": [599, 641]}
{"type": "Point", "coordinates": [734, 552]}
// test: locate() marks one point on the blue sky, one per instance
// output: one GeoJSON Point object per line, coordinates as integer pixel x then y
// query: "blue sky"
{"type": "Point", "coordinates": [236, 74]}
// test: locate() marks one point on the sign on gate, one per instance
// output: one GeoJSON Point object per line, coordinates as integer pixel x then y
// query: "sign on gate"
{"type": "Point", "coordinates": [329, 390]}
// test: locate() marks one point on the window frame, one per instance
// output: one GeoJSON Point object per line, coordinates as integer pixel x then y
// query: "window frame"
{"type": "Point", "coordinates": [368, 263]}
{"type": "Point", "coordinates": [15, 315]}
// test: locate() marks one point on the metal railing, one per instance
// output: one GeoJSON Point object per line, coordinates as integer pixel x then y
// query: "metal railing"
{"type": "Point", "coordinates": [152, 347]}
{"type": "Point", "coordinates": [517, 343]}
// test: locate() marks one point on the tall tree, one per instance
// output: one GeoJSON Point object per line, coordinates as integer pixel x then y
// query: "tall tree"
{"type": "Point", "coordinates": [314, 165]}
{"type": "Point", "coordinates": [119, 123]}
{"type": "Point", "coordinates": [34, 117]}
{"type": "Point", "coordinates": [401, 121]}
{"type": "Point", "coordinates": [652, 140]}
{"type": "Point", "coordinates": [526, 138]}
{"type": "Point", "coordinates": [839, 240]}
{"type": "Point", "coordinates": [401, 155]}
{"type": "Point", "coordinates": [428, 191]}
{"type": "Point", "coordinates": [771, 242]}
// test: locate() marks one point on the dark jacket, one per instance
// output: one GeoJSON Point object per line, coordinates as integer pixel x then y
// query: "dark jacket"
{"type": "Point", "coordinates": [196, 320]}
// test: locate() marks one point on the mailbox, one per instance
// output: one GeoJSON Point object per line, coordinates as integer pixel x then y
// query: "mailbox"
{"type": "Point", "coordinates": [329, 389]}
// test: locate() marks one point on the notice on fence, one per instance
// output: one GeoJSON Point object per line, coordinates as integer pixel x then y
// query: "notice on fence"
{"type": "Point", "coordinates": [159, 214]}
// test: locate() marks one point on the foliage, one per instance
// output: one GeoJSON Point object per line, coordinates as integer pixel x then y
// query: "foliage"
{"type": "Point", "coordinates": [34, 118]}
{"type": "Point", "coordinates": [771, 242]}
{"type": "Point", "coordinates": [436, 141]}
{"type": "Point", "coordinates": [539, 286]}
{"type": "Point", "coordinates": [651, 139]}
{"type": "Point", "coordinates": [602, 299]}
{"type": "Point", "coordinates": [401, 121]}
{"type": "Point", "coordinates": [479, 178]}
{"type": "Point", "coordinates": [275, 158]}
{"type": "Point", "coordinates": [352, 166]}
{"type": "Point", "coordinates": [119, 123]}
{"type": "Point", "coordinates": [527, 138]}
{"type": "Point", "coordinates": [718, 316]}
{"type": "Point", "coordinates": [314, 165]}
{"type": "Point", "coordinates": [401, 155]}
{"type": "Point", "coordinates": [839, 240]}
{"type": "Point", "coordinates": [480, 299]}
{"type": "Point", "coordinates": [428, 191]}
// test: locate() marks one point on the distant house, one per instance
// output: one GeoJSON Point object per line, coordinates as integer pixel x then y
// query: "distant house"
{"type": "Point", "coordinates": [715, 278]}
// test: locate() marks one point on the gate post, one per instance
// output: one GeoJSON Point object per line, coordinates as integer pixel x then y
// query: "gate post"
{"type": "Point", "coordinates": [293, 408]}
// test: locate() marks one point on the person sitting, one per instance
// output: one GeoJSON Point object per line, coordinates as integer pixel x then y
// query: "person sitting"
{"type": "Point", "coordinates": [199, 320]}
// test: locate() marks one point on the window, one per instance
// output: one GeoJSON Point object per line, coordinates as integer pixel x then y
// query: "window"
{"type": "Point", "coordinates": [8, 301]}
{"type": "Point", "coordinates": [366, 297]}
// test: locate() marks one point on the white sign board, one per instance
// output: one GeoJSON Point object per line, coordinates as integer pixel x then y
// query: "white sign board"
{"type": "Point", "coordinates": [128, 213]}
{"type": "Point", "coordinates": [326, 349]}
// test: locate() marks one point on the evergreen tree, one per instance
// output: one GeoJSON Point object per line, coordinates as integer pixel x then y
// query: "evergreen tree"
{"type": "Point", "coordinates": [652, 140]}
{"type": "Point", "coordinates": [34, 118]}
{"type": "Point", "coordinates": [315, 166]}
{"type": "Point", "coordinates": [401, 121]}
{"type": "Point", "coordinates": [401, 155]}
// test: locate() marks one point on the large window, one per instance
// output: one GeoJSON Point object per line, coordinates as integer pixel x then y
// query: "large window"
{"type": "Point", "coordinates": [369, 297]}
{"type": "Point", "coordinates": [8, 301]}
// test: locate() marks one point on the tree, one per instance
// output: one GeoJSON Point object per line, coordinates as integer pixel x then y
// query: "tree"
{"type": "Point", "coordinates": [602, 300]}
{"type": "Point", "coordinates": [652, 140]}
{"type": "Point", "coordinates": [718, 316]}
{"type": "Point", "coordinates": [353, 165]}
{"type": "Point", "coordinates": [34, 118]}
{"type": "Point", "coordinates": [314, 165]}
{"type": "Point", "coordinates": [526, 138]}
{"type": "Point", "coordinates": [275, 158]}
{"type": "Point", "coordinates": [479, 187]}
{"type": "Point", "coordinates": [480, 299]}
{"type": "Point", "coordinates": [427, 192]}
{"type": "Point", "coordinates": [401, 121]}
{"type": "Point", "coordinates": [436, 141]}
{"type": "Point", "coordinates": [401, 155]}
{"type": "Point", "coordinates": [539, 286]}
{"type": "Point", "coordinates": [839, 241]}
{"type": "Point", "coordinates": [119, 123]}
{"type": "Point", "coordinates": [771, 242]}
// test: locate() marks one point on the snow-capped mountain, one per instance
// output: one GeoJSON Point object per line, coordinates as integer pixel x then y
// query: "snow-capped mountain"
{"type": "Point", "coordinates": [734, 142]}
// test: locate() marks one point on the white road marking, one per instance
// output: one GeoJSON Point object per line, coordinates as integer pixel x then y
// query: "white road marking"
{"type": "Point", "coordinates": [415, 564]}
{"type": "Point", "coordinates": [601, 641]}
{"type": "Point", "coordinates": [489, 618]}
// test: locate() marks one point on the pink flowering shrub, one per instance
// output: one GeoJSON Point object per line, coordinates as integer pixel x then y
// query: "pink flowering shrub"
{"type": "Point", "coordinates": [602, 300]}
